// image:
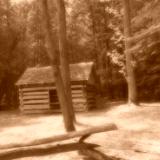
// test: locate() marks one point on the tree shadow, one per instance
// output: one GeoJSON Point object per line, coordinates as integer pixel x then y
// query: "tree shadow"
{"type": "Point", "coordinates": [93, 154]}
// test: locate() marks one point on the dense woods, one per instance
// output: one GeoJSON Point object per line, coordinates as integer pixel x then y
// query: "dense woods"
{"type": "Point", "coordinates": [94, 30]}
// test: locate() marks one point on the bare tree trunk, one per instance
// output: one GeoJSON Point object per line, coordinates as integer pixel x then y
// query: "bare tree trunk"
{"type": "Point", "coordinates": [56, 71]}
{"type": "Point", "coordinates": [91, 5]}
{"type": "Point", "coordinates": [64, 58]}
{"type": "Point", "coordinates": [132, 89]}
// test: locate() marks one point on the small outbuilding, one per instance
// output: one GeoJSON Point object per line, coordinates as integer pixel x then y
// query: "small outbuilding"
{"type": "Point", "coordinates": [37, 92]}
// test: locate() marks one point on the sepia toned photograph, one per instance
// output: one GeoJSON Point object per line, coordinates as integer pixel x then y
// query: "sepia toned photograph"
{"type": "Point", "coordinates": [79, 80]}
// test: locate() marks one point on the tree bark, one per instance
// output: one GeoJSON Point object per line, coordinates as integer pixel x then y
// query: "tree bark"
{"type": "Point", "coordinates": [132, 88]}
{"type": "Point", "coordinates": [64, 58]}
{"type": "Point", "coordinates": [67, 136]}
{"type": "Point", "coordinates": [68, 122]}
{"type": "Point", "coordinates": [91, 5]}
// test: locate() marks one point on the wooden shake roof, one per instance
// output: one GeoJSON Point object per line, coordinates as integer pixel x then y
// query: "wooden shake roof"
{"type": "Point", "coordinates": [44, 75]}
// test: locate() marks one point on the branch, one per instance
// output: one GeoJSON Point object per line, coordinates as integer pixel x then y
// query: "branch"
{"type": "Point", "coordinates": [133, 49]}
{"type": "Point", "coordinates": [43, 150]}
{"type": "Point", "coordinates": [70, 135]}
{"type": "Point", "coordinates": [139, 46]}
{"type": "Point", "coordinates": [144, 34]}
{"type": "Point", "coordinates": [50, 41]}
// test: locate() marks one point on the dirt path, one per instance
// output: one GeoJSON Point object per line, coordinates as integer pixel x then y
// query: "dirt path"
{"type": "Point", "coordinates": [138, 136]}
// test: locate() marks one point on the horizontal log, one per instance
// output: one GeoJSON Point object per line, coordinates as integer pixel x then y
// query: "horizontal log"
{"type": "Point", "coordinates": [43, 101]}
{"type": "Point", "coordinates": [152, 30]}
{"type": "Point", "coordinates": [37, 111]}
{"type": "Point", "coordinates": [47, 88]}
{"type": "Point", "coordinates": [43, 150]}
{"type": "Point", "coordinates": [43, 106]}
{"type": "Point", "coordinates": [79, 105]}
{"type": "Point", "coordinates": [82, 96]}
{"type": "Point", "coordinates": [35, 97]}
{"type": "Point", "coordinates": [83, 102]}
{"type": "Point", "coordinates": [78, 96]}
{"type": "Point", "coordinates": [77, 86]}
{"type": "Point", "coordinates": [79, 100]}
{"type": "Point", "coordinates": [66, 136]}
{"type": "Point", "coordinates": [77, 91]}
{"type": "Point", "coordinates": [35, 93]}
{"type": "Point", "coordinates": [38, 89]}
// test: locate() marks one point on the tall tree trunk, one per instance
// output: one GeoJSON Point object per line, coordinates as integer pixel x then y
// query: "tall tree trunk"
{"type": "Point", "coordinates": [64, 58]}
{"type": "Point", "coordinates": [132, 89]}
{"type": "Point", "coordinates": [91, 5]}
{"type": "Point", "coordinates": [107, 61]}
{"type": "Point", "coordinates": [56, 71]}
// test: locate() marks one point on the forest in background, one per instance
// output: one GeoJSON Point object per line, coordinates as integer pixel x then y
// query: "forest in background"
{"type": "Point", "coordinates": [94, 33]}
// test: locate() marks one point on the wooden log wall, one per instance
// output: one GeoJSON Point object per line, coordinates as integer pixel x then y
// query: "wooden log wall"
{"type": "Point", "coordinates": [35, 99]}
{"type": "Point", "coordinates": [82, 98]}
{"type": "Point", "coordinates": [44, 99]}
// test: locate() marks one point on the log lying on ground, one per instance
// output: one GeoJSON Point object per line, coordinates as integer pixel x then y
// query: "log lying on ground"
{"type": "Point", "coordinates": [145, 34]}
{"type": "Point", "coordinates": [43, 150]}
{"type": "Point", "coordinates": [74, 134]}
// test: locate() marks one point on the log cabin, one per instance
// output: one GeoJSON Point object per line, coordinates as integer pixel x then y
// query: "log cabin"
{"type": "Point", "coordinates": [37, 91]}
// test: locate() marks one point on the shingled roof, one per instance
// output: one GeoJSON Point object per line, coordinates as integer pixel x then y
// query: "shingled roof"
{"type": "Point", "coordinates": [44, 75]}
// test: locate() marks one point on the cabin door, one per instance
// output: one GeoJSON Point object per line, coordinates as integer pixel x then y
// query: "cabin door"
{"type": "Point", "coordinates": [53, 99]}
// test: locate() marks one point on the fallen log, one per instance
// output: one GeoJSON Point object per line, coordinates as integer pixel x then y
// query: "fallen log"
{"type": "Point", "coordinates": [43, 150]}
{"type": "Point", "coordinates": [66, 136]}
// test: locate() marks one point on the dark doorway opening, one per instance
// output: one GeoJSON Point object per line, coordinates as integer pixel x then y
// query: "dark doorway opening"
{"type": "Point", "coordinates": [53, 98]}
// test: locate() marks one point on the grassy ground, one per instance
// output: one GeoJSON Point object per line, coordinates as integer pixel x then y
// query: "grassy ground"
{"type": "Point", "coordinates": [137, 137]}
